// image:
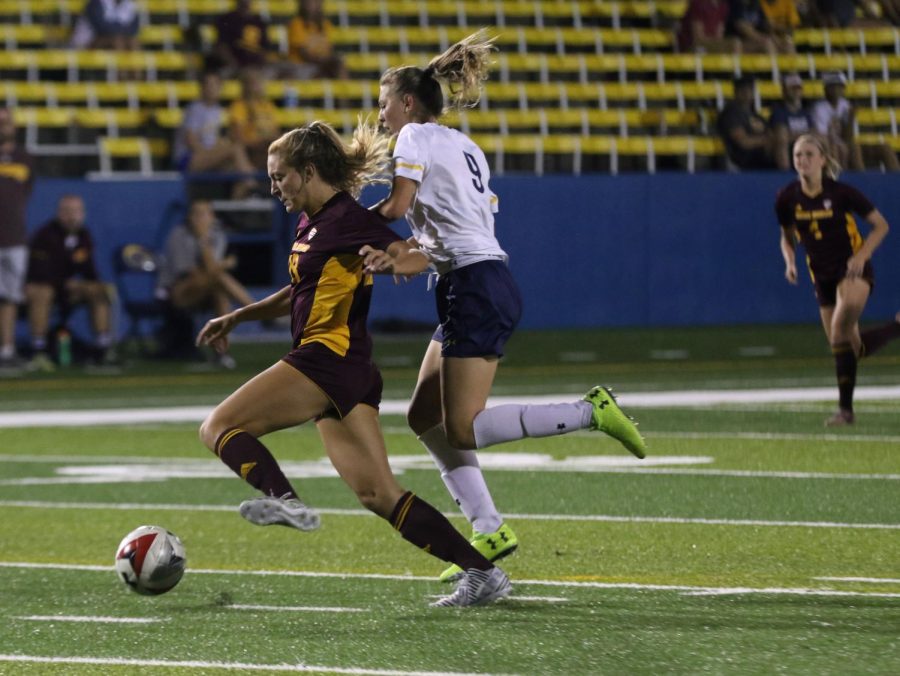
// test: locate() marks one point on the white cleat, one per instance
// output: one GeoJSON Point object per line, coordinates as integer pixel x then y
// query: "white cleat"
{"type": "Point", "coordinates": [476, 588]}
{"type": "Point", "coordinates": [268, 511]}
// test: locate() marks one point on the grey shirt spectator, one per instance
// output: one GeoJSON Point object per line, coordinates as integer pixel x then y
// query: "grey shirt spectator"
{"type": "Point", "coordinates": [204, 120]}
{"type": "Point", "coordinates": [182, 254]}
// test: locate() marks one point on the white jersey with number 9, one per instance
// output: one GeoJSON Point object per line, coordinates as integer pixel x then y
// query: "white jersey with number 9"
{"type": "Point", "coordinates": [453, 211]}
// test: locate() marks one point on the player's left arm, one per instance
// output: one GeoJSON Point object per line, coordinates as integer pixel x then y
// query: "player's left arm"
{"type": "Point", "coordinates": [857, 261]}
{"type": "Point", "coordinates": [395, 205]}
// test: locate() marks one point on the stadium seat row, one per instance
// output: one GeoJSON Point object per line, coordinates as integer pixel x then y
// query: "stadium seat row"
{"type": "Point", "coordinates": [512, 96]}
{"type": "Point", "coordinates": [382, 12]}
{"type": "Point", "coordinates": [85, 124]}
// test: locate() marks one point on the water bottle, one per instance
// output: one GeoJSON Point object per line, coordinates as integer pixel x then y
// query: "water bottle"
{"type": "Point", "coordinates": [64, 348]}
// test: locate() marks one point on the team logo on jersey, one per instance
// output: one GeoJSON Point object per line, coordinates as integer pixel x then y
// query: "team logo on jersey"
{"type": "Point", "coordinates": [312, 233]}
{"type": "Point", "coordinates": [826, 204]}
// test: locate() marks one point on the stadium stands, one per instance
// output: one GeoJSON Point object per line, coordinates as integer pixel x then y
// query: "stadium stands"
{"type": "Point", "coordinates": [578, 85]}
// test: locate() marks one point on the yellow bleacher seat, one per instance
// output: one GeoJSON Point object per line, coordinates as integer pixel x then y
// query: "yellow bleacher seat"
{"type": "Point", "coordinates": [30, 35]}
{"type": "Point", "coordinates": [168, 118]}
{"type": "Point", "coordinates": [762, 66]}
{"type": "Point", "coordinates": [584, 94]}
{"type": "Point", "coordinates": [881, 120]}
{"type": "Point", "coordinates": [160, 36]}
{"type": "Point", "coordinates": [17, 93]}
{"type": "Point", "coordinates": [891, 140]}
{"type": "Point", "coordinates": [343, 121]}
{"type": "Point", "coordinates": [134, 150]}
{"type": "Point", "coordinates": [45, 117]}
{"type": "Point", "coordinates": [369, 65]}
{"type": "Point", "coordinates": [643, 67]}
{"type": "Point", "coordinates": [111, 119]}
{"type": "Point", "coordinates": [683, 66]}
{"type": "Point", "coordinates": [596, 66]}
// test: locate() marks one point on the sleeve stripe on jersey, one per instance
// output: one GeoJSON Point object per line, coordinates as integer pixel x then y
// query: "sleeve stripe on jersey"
{"type": "Point", "coordinates": [406, 165]}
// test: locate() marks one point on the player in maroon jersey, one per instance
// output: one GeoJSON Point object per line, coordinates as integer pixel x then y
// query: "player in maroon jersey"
{"type": "Point", "coordinates": [818, 211]}
{"type": "Point", "coordinates": [328, 375]}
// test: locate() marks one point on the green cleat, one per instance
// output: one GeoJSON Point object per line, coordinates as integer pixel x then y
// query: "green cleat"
{"type": "Point", "coordinates": [492, 546]}
{"type": "Point", "coordinates": [608, 417]}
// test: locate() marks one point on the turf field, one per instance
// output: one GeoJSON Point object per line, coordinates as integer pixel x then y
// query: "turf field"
{"type": "Point", "coordinates": [751, 540]}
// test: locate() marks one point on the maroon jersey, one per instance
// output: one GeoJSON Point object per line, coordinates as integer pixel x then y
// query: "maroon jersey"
{"type": "Point", "coordinates": [16, 182]}
{"type": "Point", "coordinates": [825, 223]}
{"type": "Point", "coordinates": [330, 294]}
{"type": "Point", "coordinates": [57, 255]}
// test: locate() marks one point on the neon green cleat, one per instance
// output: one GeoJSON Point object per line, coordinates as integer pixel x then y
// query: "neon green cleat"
{"type": "Point", "coordinates": [608, 417]}
{"type": "Point", "coordinates": [492, 546]}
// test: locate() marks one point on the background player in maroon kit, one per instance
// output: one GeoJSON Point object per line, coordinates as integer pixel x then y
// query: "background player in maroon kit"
{"type": "Point", "coordinates": [329, 375]}
{"type": "Point", "coordinates": [818, 211]}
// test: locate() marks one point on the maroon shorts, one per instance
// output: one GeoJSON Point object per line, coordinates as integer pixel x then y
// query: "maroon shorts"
{"type": "Point", "coordinates": [826, 285]}
{"type": "Point", "coordinates": [345, 383]}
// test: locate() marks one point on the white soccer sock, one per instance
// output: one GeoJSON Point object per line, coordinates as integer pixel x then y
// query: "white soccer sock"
{"type": "Point", "coordinates": [463, 478]}
{"type": "Point", "coordinates": [509, 422]}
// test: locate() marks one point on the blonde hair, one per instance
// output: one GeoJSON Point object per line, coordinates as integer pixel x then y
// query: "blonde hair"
{"type": "Point", "coordinates": [349, 167]}
{"type": "Point", "coordinates": [464, 67]}
{"type": "Point", "coordinates": [832, 168]}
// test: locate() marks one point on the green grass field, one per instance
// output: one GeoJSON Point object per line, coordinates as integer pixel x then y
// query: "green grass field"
{"type": "Point", "coordinates": [751, 540]}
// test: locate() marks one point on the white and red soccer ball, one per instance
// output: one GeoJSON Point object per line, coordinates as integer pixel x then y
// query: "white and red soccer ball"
{"type": "Point", "coordinates": [150, 560]}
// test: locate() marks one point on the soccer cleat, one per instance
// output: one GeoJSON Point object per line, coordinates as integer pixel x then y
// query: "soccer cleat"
{"type": "Point", "coordinates": [609, 418]}
{"type": "Point", "coordinates": [840, 419]}
{"type": "Point", "coordinates": [476, 588]}
{"type": "Point", "coordinates": [492, 546]}
{"type": "Point", "coordinates": [268, 511]}
{"type": "Point", "coordinates": [40, 362]}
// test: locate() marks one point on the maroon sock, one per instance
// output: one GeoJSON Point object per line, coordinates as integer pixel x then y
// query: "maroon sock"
{"type": "Point", "coordinates": [427, 528]}
{"type": "Point", "coordinates": [874, 339]}
{"type": "Point", "coordinates": [250, 460]}
{"type": "Point", "coordinates": [845, 369]}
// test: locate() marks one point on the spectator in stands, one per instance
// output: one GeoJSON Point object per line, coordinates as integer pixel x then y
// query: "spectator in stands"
{"type": "Point", "coordinates": [702, 28]}
{"type": "Point", "coordinates": [748, 140]}
{"type": "Point", "coordinates": [747, 22]}
{"type": "Point", "coordinates": [788, 120]}
{"type": "Point", "coordinates": [199, 144]}
{"type": "Point", "coordinates": [254, 118]}
{"type": "Point", "coordinates": [835, 119]}
{"type": "Point", "coordinates": [62, 272]}
{"type": "Point", "coordinates": [890, 11]}
{"type": "Point", "coordinates": [107, 24]}
{"type": "Point", "coordinates": [242, 39]}
{"type": "Point", "coordinates": [195, 271]}
{"type": "Point", "coordinates": [311, 53]}
{"type": "Point", "coordinates": [783, 18]}
{"type": "Point", "coordinates": [835, 13]}
{"type": "Point", "coordinates": [16, 182]}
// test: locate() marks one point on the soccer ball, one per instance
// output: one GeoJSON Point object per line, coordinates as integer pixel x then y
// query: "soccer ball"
{"type": "Point", "coordinates": [150, 560]}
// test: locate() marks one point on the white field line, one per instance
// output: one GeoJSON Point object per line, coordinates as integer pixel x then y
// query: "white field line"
{"type": "Point", "coordinates": [600, 518]}
{"type": "Point", "coordinates": [89, 618]}
{"type": "Point", "coordinates": [231, 666]}
{"type": "Point", "coordinates": [672, 399]}
{"type": "Point", "coordinates": [737, 591]}
{"type": "Point", "coordinates": [297, 609]}
{"type": "Point", "coordinates": [494, 461]}
{"type": "Point", "coordinates": [568, 584]}
{"type": "Point", "coordinates": [874, 580]}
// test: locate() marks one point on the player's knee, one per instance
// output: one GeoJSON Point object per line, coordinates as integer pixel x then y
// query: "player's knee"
{"type": "Point", "coordinates": [422, 418]}
{"type": "Point", "coordinates": [210, 429]}
{"type": "Point", "coordinates": [460, 435]}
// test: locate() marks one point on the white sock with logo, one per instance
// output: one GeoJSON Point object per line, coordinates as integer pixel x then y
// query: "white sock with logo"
{"type": "Point", "coordinates": [509, 422]}
{"type": "Point", "coordinates": [463, 478]}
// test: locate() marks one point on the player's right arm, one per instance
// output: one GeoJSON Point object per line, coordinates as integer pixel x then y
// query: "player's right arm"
{"type": "Point", "coordinates": [215, 331]}
{"type": "Point", "coordinates": [789, 252]}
